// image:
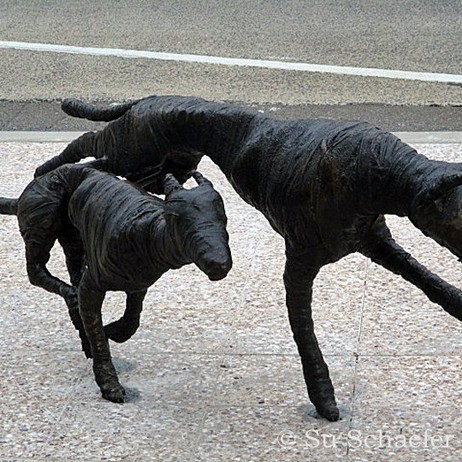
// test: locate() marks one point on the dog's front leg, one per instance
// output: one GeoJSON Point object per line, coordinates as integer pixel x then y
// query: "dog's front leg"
{"type": "Point", "coordinates": [90, 301]}
{"type": "Point", "coordinates": [125, 327]}
{"type": "Point", "coordinates": [298, 281]}
{"type": "Point", "coordinates": [382, 249]}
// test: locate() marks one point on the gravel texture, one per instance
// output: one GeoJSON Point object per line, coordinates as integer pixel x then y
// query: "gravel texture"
{"type": "Point", "coordinates": [213, 372]}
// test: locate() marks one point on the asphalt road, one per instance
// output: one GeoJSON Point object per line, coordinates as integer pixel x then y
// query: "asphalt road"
{"type": "Point", "coordinates": [410, 35]}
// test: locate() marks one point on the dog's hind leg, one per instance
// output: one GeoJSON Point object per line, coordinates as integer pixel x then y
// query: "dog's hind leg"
{"type": "Point", "coordinates": [74, 252]}
{"type": "Point", "coordinates": [298, 281]}
{"type": "Point", "coordinates": [40, 276]}
{"type": "Point", "coordinates": [37, 256]}
{"type": "Point", "coordinates": [83, 146]}
{"type": "Point", "coordinates": [380, 246]}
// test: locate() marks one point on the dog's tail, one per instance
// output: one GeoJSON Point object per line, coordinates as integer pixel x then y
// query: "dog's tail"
{"type": "Point", "coordinates": [8, 206]}
{"type": "Point", "coordinates": [82, 110]}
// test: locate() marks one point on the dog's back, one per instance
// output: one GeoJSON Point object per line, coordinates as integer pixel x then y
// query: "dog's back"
{"type": "Point", "coordinates": [107, 211]}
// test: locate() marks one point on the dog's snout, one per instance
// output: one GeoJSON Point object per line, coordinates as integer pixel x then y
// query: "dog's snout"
{"type": "Point", "coordinates": [217, 268]}
{"type": "Point", "coordinates": [219, 272]}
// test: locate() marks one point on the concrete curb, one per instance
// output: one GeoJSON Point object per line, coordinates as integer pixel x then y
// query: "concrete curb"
{"type": "Point", "coordinates": [66, 137]}
{"type": "Point", "coordinates": [430, 137]}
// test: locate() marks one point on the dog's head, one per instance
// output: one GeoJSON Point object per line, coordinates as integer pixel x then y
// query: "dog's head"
{"type": "Point", "coordinates": [196, 221]}
{"type": "Point", "coordinates": [437, 211]}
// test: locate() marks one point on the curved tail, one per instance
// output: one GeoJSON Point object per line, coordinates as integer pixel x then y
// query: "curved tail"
{"type": "Point", "coordinates": [82, 110]}
{"type": "Point", "coordinates": [8, 206]}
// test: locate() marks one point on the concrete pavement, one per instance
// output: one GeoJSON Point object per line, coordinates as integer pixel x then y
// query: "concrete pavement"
{"type": "Point", "coordinates": [213, 372]}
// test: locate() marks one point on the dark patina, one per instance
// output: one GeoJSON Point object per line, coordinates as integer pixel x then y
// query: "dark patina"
{"type": "Point", "coordinates": [116, 237]}
{"type": "Point", "coordinates": [323, 185]}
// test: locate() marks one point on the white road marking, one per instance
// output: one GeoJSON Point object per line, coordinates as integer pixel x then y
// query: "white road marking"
{"type": "Point", "coordinates": [179, 57]}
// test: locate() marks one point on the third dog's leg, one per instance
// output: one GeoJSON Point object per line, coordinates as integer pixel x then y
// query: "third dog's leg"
{"type": "Point", "coordinates": [382, 249]}
{"type": "Point", "coordinates": [298, 280]}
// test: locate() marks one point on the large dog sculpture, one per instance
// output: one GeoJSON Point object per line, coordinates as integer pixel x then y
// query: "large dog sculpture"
{"type": "Point", "coordinates": [127, 239]}
{"type": "Point", "coordinates": [323, 185]}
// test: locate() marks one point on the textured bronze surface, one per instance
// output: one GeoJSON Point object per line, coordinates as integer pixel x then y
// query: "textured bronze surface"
{"type": "Point", "coordinates": [116, 237]}
{"type": "Point", "coordinates": [323, 185]}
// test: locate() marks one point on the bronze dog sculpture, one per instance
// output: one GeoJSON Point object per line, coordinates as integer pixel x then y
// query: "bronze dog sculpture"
{"type": "Point", "coordinates": [323, 185]}
{"type": "Point", "coordinates": [127, 238]}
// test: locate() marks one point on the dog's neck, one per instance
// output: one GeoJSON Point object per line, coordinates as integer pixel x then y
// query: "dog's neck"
{"type": "Point", "coordinates": [392, 183]}
{"type": "Point", "coordinates": [216, 130]}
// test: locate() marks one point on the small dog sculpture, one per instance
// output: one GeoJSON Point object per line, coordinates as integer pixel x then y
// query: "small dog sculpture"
{"type": "Point", "coordinates": [128, 237]}
{"type": "Point", "coordinates": [323, 185]}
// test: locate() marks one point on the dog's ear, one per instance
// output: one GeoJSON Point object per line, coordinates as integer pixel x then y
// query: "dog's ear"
{"type": "Point", "coordinates": [171, 184]}
{"type": "Point", "coordinates": [435, 187]}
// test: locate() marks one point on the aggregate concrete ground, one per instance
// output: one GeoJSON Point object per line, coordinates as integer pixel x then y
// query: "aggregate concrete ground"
{"type": "Point", "coordinates": [213, 372]}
